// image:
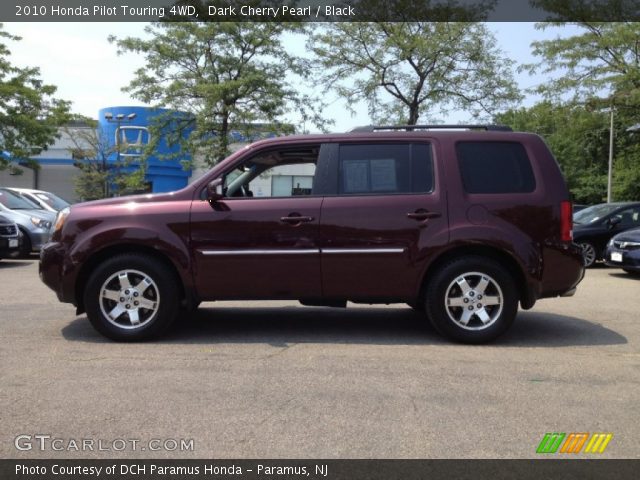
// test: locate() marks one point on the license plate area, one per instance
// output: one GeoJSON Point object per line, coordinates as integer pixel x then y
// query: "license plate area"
{"type": "Point", "coordinates": [13, 243]}
{"type": "Point", "coordinates": [616, 257]}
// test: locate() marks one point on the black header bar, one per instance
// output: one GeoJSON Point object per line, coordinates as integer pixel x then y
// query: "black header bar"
{"type": "Point", "coordinates": [318, 10]}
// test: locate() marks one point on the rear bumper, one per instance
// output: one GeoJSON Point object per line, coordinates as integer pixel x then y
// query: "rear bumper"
{"type": "Point", "coordinates": [563, 271]}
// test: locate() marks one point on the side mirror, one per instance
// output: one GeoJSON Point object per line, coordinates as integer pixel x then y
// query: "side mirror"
{"type": "Point", "coordinates": [613, 221]}
{"type": "Point", "coordinates": [214, 190]}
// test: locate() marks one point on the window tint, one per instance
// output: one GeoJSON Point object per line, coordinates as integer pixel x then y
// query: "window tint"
{"type": "Point", "coordinates": [390, 168]}
{"type": "Point", "coordinates": [629, 217]}
{"type": "Point", "coordinates": [495, 167]}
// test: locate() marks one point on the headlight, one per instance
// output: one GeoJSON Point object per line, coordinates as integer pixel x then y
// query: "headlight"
{"type": "Point", "coordinates": [40, 223]}
{"type": "Point", "coordinates": [610, 244]}
{"type": "Point", "coordinates": [60, 218]}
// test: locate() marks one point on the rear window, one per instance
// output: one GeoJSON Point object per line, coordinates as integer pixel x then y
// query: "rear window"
{"type": "Point", "coordinates": [495, 167]}
{"type": "Point", "coordinates": [385, 168]}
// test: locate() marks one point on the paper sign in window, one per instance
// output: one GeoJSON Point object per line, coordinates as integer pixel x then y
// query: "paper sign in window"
{"type": "Point", "coordinates": [383, 175]}
{"type": "Point", "coordinates": [355, 173]}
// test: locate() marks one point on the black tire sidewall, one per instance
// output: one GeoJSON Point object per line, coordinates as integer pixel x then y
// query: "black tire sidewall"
{"type": "Point", "coordinates": [159, 273]}
{"type": "Point", "coordinates": [436, 292]}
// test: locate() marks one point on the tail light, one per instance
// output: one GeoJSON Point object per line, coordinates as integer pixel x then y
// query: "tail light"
{"type": "Point", "coordinates": [566, 221]}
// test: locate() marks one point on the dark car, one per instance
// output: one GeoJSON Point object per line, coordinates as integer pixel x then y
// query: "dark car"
{"type": "Point", "coordinates": [593, 227]}
{"type": "Point", "coordinates": [462, 224]}
{"type": "Point", "coordinates": [623, 251]}
{"type": "Point", "coordinates": [9, 237]}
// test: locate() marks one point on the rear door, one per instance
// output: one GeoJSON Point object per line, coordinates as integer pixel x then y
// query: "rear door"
{"type": "Point", "coordinates": [389, 210]}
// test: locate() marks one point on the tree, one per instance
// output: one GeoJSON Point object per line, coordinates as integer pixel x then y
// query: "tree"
{"type": "Point", "coordinates": [601, 61]}
{"type": "Point", "coordinates": [91, 151]}
{"type": "Point", "coordinates": [225, 76]}
{"type": "Point", "coordinates": [600, 68]}
{"type": "Point", "coordinates": [578, 138]}
{"type": "Point", "coordinates": [29, 113]}
{"type": "Point", "coordinates": [407, 70]}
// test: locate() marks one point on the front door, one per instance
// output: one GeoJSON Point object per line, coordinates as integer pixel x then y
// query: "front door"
{"type": "Point", "coordinates": [261, 240]}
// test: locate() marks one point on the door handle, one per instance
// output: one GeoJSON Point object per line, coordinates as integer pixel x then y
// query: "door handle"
{"type": "Point", "coordinates": [422, 214]}
{"type": "Point", "coordinates": [296, 219]}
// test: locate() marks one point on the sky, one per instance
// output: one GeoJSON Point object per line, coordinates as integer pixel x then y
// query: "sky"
{"type": "Point", "coordinates": [78, 59]}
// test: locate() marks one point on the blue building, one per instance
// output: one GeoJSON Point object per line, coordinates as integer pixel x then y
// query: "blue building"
{"type": "Point", "coordinates": [127, 131]}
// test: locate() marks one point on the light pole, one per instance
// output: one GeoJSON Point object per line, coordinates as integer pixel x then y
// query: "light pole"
{"type": "Point", "coordinates": [119, 119]}
{"type": "Point", "coordinates": [610, 172]}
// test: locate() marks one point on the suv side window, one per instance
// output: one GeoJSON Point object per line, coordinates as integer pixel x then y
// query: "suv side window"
{"type": "Point", "coordinates": [495, 167]}
{"type": "Point", "coordinates": [283, 172]}
{"type": "Point", "coordinates": [629, 217]}
{"type": "Point", "coordinates": [385, 169]}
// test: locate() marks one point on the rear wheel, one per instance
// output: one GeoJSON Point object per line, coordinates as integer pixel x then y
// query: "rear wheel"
{"type": "Point", "coordinates": [131, 297]}
{"type": "Point", "coordinates": [472, 300]}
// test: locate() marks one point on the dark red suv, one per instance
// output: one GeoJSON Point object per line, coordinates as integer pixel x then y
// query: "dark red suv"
{"type": "Point", "coordinates": [463, 224]}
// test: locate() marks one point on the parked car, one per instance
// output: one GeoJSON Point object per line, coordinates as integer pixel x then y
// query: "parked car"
{"type": "Point", "coordinates": [9, 237]}
{"type": "Point", "coordinates": [45, 200]}
{"type": "Point", "coordinates": [463, 224]}
{"type": "Point", "coordinates": [579, 206]}
{"type": "Point", "coordinates": [593, 227]}
{"type": "Point", "coordinates": [623, 251]}
{"type": "Point", "coordinates": [33, 222]}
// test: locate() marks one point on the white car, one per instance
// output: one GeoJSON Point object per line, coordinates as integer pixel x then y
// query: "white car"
{"type": "Point", "coordinates": [45, 200]}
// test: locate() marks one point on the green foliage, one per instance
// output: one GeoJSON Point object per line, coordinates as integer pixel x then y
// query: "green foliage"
{"type": "Point", "coordinates": [225, 76]}
{"type": "Point", "coordinates": [99, 178]}
{"type": "Point", "coordinates": [579, 139]}
{"type": "Point", "coordinates": [602, 61]}
{"type": "Point", "coordinates": [29, 113]}
{"type": "Point", "coordinates": [408, 70]}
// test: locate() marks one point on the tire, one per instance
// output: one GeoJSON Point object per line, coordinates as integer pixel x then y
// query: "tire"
{"type": "Point", "coordinates": [589, 254]}
{"type": "Point", "coordinates": [25, 247]}
{"type": "Point", "coordinates": [483, 279]}
{"type": "Point", "coordinates": [151, 283]}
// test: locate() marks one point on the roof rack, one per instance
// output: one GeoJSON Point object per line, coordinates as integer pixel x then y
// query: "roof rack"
{"type": "Point", "coordinates": [372, 128]}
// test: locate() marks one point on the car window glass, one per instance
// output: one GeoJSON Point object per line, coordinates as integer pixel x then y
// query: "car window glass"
{"type": "Point", "coordinates": [275, 173]}
{"type": "Point", "coordinates": [385, 168]}
{"type": "Point", "coordinates": [629, 217]}
{"type": "Point", "coordinates": [14, 201]}
{"type": "Point", "coordinates": [594, 213]}
{"type": "Point", "coordinates": [495, 167]}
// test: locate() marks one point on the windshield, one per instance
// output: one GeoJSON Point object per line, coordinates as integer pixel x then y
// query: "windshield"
{"type": "Point", "coordinates": [13, 201]}
{"type": "Point", "coordinates": [594, 213]}
{"type": "Point", "coordinates": [52, 200]}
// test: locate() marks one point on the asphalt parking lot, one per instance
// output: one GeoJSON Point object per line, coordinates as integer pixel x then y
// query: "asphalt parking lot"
{"type": "Point", "coordinates": [251, 380]}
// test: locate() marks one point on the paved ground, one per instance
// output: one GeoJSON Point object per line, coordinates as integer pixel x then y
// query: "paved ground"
{"type": "Point", "coordinates": [252, 380]}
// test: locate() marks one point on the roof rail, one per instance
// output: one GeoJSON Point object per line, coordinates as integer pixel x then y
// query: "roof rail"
{"type": "Point", "coordinates": [409, 128]}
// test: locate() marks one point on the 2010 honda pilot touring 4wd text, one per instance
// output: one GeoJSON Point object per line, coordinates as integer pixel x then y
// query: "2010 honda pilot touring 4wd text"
{"type": "Point", "coordinates": [463, 224]}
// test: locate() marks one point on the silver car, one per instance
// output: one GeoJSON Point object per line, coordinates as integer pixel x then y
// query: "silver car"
{"type": "Point", "coordinates": [33, 222]}
{"type": "Point", "coordinates": [45, 200]}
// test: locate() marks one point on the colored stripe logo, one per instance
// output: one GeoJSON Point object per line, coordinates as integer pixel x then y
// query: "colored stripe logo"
{"type": "Point", "coordinates": [573, 442]}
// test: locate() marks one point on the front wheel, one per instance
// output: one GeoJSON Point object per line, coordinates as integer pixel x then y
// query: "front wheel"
{"type": "Point", "coordinates": [471, 300]}
{"type": "Point", "coordinates": [131, 297]}
{"type": "Point", "coordinates": [589, 254]}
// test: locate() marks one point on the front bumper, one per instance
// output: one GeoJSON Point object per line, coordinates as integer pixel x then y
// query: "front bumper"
{"type": "Point", "coordinates": [9, 245]}
{"type": "Point", "coordinates": [629, 259]}
{"type": "Point", "coordinates": [38, 238]}
{"type": "Point", "coordinates": [53, 272]}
